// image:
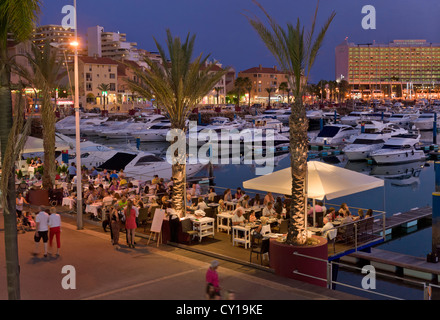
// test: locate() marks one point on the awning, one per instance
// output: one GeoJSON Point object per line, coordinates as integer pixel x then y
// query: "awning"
{"type": "Point", "coordinates": [34, 145]}
{"type": "Point", "coordinates": [324, 181]}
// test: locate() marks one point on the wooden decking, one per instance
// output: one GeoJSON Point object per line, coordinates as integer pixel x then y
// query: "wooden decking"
{"type": "Point", "coordinates": [406, 219]}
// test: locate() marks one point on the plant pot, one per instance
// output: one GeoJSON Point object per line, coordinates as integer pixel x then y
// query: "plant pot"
{"type": "Point", "coordinates": [285, 262]}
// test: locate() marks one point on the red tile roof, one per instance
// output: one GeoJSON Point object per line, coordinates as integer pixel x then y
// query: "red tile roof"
{"type": "Point", "coordinates": [97, 60]}
{"type": "Point", "coordinates": [261, 69]}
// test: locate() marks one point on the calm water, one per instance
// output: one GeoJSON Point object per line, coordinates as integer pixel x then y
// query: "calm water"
{"type": "Point", "coordinates": [406, 186]}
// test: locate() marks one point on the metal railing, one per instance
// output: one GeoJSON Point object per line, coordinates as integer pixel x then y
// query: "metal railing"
{"type": "Point", "coordinates": [351, 236]}
{"type": "Point", "coordinates": [427, 287]}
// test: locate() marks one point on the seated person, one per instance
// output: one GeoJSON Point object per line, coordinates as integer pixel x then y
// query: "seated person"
{"type": "Point", "coordinates": [114, 175]}
{"type": "Point", "coordinates": [244, 201]}
{"type": "Point", "coordinates": [238, 217]}
{"type": "Point", "coordinates": [360, 215]}
{"type": "Point", "coordinates": [268, 198]}
{"type": "Point", "coordinates": [252, 216]}
{"type": "Point", "coordinates": [331, 214]}
{"type": "Point", "coordinates": [123, 202]}
{"type": "Point", "coordinates": [328, 231]}
{"type": "Point", "coordinates": [227, 196]}
{"type": "Point", "coordinates": [122, 183]}
{"type": "Point", "coordinates": [269, 211]}
{"type": "Point", "coordinates": [211, 194]}
{"type": "Point", "coordinates": [155, 179]}
{"type": "Point", "coordinates": [343, 209]}
{"type": "Point", "coordinates": [107, 197]}
{"type": "Point", "coordinates": [258, 232]}
{"type": "Point", "coordinates": [222, 206]}
{"type": "Point", "coordinates": [238, 194]}
{"type": "Point", "coordinates": [201, 204]}
{"type": "Point", "coordinates": [93, 172]}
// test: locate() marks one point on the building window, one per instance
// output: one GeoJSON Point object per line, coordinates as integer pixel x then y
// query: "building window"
{"type": "Point", "coordinates": [112, 87]}
{"type": "Point", "coordinates": [89, 77]}
{"type": "Point", "coordinates": [89, 86]}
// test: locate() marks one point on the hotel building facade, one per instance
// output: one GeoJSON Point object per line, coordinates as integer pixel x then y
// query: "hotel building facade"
{"type": "Point", "coordinates": [399, 69]}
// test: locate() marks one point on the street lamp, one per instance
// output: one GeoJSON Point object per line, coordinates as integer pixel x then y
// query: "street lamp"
{"type": "Point", "coordinates": [79, 200]}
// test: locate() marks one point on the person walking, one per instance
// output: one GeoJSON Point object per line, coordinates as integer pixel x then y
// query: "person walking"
{"type": "Point", "coordinates": [130, 223]}
{"type": "Point", "coordinates": [19, 202]}
{"type": "Point", "coordinates": [212, 277]}
{"type": "Point", "coordinates": [55, 228]}
{"type": "Point", "coordinates": [115, 225]}
{"type": "Point", "coordinates": [41, 230]}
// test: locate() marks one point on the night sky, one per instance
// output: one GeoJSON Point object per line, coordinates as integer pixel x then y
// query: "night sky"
{"type": "Point", "coordinates": [223, 31]}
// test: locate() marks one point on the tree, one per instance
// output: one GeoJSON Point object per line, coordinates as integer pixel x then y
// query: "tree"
{"type": "Point", "coordinates": [322, 85]}
{"type": "Point", "coordinates": [178, 85]}
{"type": "Point", "coordinates": [295, 52]}
{"type": "Point", "coordinates": [332, 85]}
{"type": "Point", "coordinates": [247, 84]}
{"type": "Point", "coordinates": [17, 18]}
{"type": "Point", "coordinates": [284, 86]}
{"type": "Point", "coordinates": [104, 88]}
{"type": "Point", "coordinates": [217, 90]}
{"type": "Point", "coordinates": [344, 88]}
{"type": "Point", "coordinates": [269, 91]}
{"type": "Point", "coordinates": [239, 86]}
{"type": "Point", "coordinates": [45, 73]}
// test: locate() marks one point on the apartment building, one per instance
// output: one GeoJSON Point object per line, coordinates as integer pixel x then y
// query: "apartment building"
{"type": "Point", "coordinates": [388, 68]}
{"type": "Point", "coordinates": [94, 71]}
{"type": "Point", "coordinates": [60, 38]}
{"type": "Point", "coordinates": [262, 79]}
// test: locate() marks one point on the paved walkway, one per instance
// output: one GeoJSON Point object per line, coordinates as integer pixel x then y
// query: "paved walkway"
{"type": "Point", "coordinates": [144, 273]}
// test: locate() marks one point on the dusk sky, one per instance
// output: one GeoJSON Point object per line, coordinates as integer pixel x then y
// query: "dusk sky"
{"type": "Point", "coordinates": [223, 31]}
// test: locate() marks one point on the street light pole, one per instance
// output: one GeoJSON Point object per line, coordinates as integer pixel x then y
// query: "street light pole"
{"type": "Point", "coordinates": [79, 200]}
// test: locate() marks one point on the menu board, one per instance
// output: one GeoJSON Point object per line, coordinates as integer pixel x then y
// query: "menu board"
{"type": "Point", "coordinates": [156, 225]}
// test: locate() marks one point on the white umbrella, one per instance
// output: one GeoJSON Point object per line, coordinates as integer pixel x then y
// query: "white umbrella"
{"type": "Point", "coordinates": [323, 181]}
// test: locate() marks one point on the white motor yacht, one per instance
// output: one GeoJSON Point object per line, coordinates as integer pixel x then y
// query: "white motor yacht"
{"type": "Point", "coordinates": [402, 119]}
{"type": "Point", "coordinates": [67, 126]}
{"type": "Point", "coordinates": [265, 122]}
{"type": "Point", "coordinates": [157, 132]}
{"type": "Point", "coordinates": [334, 134]}
{"type": "Point", "coordinates": [425, 121]}
{"type": "Point", "coordinates": [282, 115]}
{"type": "Point", "coordinates": [398, 149]}
{"type": "Point", "coordinates": [353, 118]}
{"type": "Point", "coordinates": [364, 145]}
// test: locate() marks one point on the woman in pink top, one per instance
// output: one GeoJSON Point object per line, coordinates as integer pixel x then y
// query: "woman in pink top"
{"type": "Point", "coordinates": [212, 276]}
{"type": "Point", "coordinates": [130, 223]}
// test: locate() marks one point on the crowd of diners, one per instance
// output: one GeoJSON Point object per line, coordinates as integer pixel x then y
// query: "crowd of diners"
{"type": "Point", "coordinates": [112, 188]}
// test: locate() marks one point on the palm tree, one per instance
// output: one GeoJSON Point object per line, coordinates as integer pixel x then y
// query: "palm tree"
{"type": "Point", "coordinates": [322, 84]}
{"type": "Point", "coordinates": [104, 88]}
{"type": "Point", "coordinates": [296, 53]}
{"type": "Point", "coordinates": [247, 84]}
{"type": "Point", "coordinates": [178, 84]}
{"type": "Point", "coordinates": [284, 86]}
{"type": "Point", "coordinates": [45, 74]}
{"type": "Point", "coordinates": [217, 90]}
{"type": "Point", "coordinates": [17, 18]}
{"type": "Point", "coordinates": [240, 85]}
{"type": "Point", "coordinates": [269, 91]}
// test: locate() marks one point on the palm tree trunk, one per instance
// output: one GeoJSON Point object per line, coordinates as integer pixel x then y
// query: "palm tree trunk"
{"type": "Point", "coordinates": [48, 121]}
{"type": "Point", "coordinates": [298, 125]}
{"type": "Point", "coordinates": [178, 168]}
{"type": "Point", "coordinates": [10, 222]}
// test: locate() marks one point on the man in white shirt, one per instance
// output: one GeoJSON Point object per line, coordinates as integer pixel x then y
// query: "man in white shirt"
{"type": "Point", "coordinates": [41, 230]}
{"type": "Point", "coordinates": [269, 211]}
{"type": "Point", "coordinates": [328, 231]}
{"type": "Point", "coordinates": [238, 216]}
